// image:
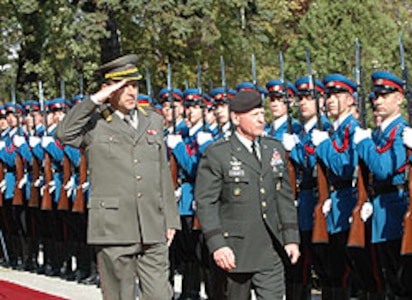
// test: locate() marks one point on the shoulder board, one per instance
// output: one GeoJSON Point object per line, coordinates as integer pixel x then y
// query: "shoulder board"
{"type": "Point", "coordinates": [142, 110]}
{"type": "Point", "coordinates": [106, 113]}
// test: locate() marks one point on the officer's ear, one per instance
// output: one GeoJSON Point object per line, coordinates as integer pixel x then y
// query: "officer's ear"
{"type": "Point", "coordinates": [235, 118]}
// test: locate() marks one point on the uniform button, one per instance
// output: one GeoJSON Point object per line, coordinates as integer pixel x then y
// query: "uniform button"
{"type": "Point", "coordinates": [111, 138]}
{"type": "Point", "coordinates": [226, 234]}
{"type": "Point", "coordinates": [261, 178]}
{"type": "Point", "coordinates": [139, 195]}
{"type": "Point", "coordinates": [138, 177]}
{"type": "Point", "coordinates": [264, 216]}
{"type": "Point", "coordinates": [263, 203]}
{"type": "Point", "coordinates": [101, 203]}
{"type": "Point", "coordinates": [262, 191]}
{"type": "Point", "coordinates": [135, 161]}
{"type": "Point", "coordinates": [236, 179]}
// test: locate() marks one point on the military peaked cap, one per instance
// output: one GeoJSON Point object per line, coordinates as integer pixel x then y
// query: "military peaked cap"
{"type": "Point", "coordinates": [120, 68]}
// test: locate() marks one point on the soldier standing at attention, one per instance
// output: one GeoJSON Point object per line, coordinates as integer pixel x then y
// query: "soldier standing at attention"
{"type": "Point", "coordinates": [337, 151]}
{"type": "Point", "coordinates": [384, 153]}
{"type": "Point", "coordinates": [303, 155]}
{"type": "Point", "coordinates": [245, 206]}
{"type": "Point", "coordinates": [132, 209]}
{"type": "Point", "coordinates": [279, 109]}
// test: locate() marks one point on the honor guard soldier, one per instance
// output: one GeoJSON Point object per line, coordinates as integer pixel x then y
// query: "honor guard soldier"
{"type": "Point", "coordinates": [245, 206]}
{"type": "Point", "coordinates": [187, 153]}
{"type": "Point", "coordinates": [132, 211]}
{"type": "Point", "coordinates": [337, 153]}
{"type": "Point", "coordinates": [303, 155]}
{"type": "Point", "coordinates": [279, 109]}
{"type": "Point", "coordinates": [175, 100]}
{"type": "Point", "coordinates": [18, 153]}
{"type": "Point", "coordinates": [384, 153]}
{"type": "Point", "coordinates": [221, 99]}
{"type": "Point", "coordinates": [210, 115]}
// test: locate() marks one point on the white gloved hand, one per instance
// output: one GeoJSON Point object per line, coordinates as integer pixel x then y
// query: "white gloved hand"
{"type": "Point", "coordinates": [178, 194]}
{"type": "Point", "coordinates": [361, 134]}
{"type": "Point", "coordinates": [22, 182]}
{"type": "Point", "coordinates": [289, 141]}
{"type": "Point", "coordinates": [46, 140]}
{"type": "Point", "coordinates": [2, 144]}
{"type": "Point", "coordinates": [173, 139]}
{"type": "Point", "coordinates": [327, 206]}
{"type": "Point", "coordinates": [407, 137]}
{"type": "Point", "coordinates": [52, 186]}
{"type": "Point", "coordinates": [34, 141]}
{"type": "Point", "coordinates": [318, 136]}
{"type": "Point", "coordinates": [18, 140]}
{"type": "Point", "coordinates": [366, 211]}
{"type": "Point", "coordinates": [38, 181]}
{"type": "Point", "coordinates": [3, 185]}
{"type": "Point", "coordinates": [70, 184]}
{"type": "Point", "coordinates": [85, 187]}
{"type": "Point", "coordinates": [203, 137]}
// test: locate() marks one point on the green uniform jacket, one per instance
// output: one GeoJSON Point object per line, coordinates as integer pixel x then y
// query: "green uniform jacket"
{"type": "Point", "coordinates": [131, 197]}
{"type": "Point", "coordinates": [246, 205]}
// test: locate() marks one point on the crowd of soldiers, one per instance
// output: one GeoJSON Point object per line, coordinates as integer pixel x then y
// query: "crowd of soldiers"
{"type": "Point", "coordinates": [43, 194]}
{"type": "Point", "coordinates": [325, 135]}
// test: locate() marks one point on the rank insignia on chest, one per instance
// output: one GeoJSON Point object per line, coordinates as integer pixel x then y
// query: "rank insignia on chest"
{"type": "Point", "coordinates": [237, 191]}
{"type": "Point", "coordinates": [236, 169]}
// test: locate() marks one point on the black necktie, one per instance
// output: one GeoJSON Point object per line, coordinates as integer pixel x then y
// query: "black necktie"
{"type": "Point", "coordinates": [255, 151]}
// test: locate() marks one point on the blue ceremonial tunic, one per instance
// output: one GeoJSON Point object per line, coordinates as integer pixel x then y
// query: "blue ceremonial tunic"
{"type": "Point", "coordinates": [283, 128]}
{"type": "Point", "coordinates": [385, 155]}
{"type": "Point", "coordinates": [187, 156]}
{"type": "Point", "coordinates": [304, 158]}
{"type": "Point", "coordinates": [339, 155]}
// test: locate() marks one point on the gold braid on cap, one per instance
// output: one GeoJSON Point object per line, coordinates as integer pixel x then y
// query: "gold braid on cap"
{"type": "Point", "coordinates": [120, 74]}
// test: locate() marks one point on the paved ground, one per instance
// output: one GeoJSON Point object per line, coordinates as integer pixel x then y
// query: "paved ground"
{"type": "Point", "coordinates": [71, 290]}
{"type": "Point", "coordinates": [59, 287]}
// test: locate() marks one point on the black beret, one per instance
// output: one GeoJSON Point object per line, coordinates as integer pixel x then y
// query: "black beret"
{"type": "Point", "coordinates": [120, 68]}
{"type": "Point", "coordinates": [245, 101]}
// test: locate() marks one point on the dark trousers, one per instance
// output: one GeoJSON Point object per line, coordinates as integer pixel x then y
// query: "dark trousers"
{"type": "Point", "coordinates": [364, 263]}
{"type": "Point", "coordinates": [267, 284]}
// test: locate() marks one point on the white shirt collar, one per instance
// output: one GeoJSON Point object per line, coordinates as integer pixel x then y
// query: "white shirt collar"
{"type": "Point", "coordinates": [339, 121]}
{"type": "Point", "coordinates": [279, 121]}
{"type": "Point", "coordinates": [386, 123]}
{"type": "Point", "coordinates": [195, 128]}
{"type": "Point", "coordinates": [310, 124]}
{"type": "Point", "coordinates": [246, 142]}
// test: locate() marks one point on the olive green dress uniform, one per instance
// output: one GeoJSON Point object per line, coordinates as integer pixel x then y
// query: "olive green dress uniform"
{"type": "Point", "coordinates": [247, 205]}
{"type": "Point", "coordinates": [131, 202]}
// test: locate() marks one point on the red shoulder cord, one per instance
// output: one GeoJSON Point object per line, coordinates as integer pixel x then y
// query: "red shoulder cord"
{"type": "Point", "coordinates": [389, 143]}
{"type": "Point", "coordinates": [345, 143]}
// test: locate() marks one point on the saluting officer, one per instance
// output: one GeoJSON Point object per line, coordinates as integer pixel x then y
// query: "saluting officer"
{"type": "Point", "coordinates": [245, 206]}
{"type": "Point", "coordinates": [132, 210]}
{"type": "Point", "coordinates": [384, 153]}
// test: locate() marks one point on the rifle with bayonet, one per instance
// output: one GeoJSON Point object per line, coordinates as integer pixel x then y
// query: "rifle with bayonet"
{"type": "Point", "coordinates": [357, 230]}
{"type": "Point", "coordinates": [320, 233]}
{"type": "Point", "coordinates": [63, 203]}
{"type": "Point", "coordinates": [34, 200]}
{"type": "Point", "coordinates": [18, 192]}
{"type": "Point", "coordinates": [79, 203]}
{"type": "Point", "coordinates": [173, 162]}
{"type": "Point", "coordinates": [286, 100]}
{"type": "Point", "coordinates": [202, 103]}
{"type": "Point", "coordinates": [406, 246]}
{"type": "Point", "coordinates": [46, 203]}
